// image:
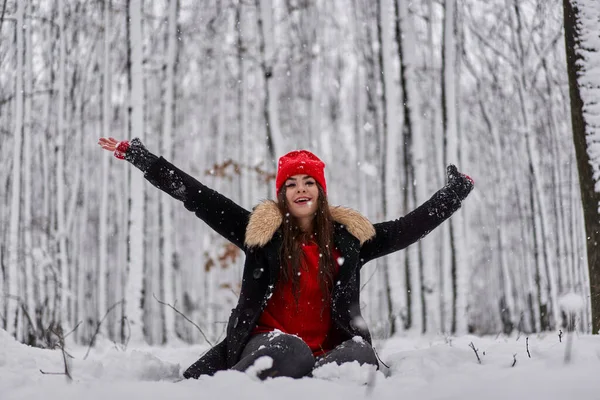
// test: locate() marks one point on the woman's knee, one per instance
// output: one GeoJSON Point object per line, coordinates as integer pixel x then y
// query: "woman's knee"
{"type": "Point", "coordinates": [349, 351]}
{"type": "Point", "coordinates": [290, 355]}
{"type": "Point", "coordinates": [292, 347]}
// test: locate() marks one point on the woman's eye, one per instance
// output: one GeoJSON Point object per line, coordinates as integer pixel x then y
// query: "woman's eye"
{"type": "Point", "coordinates": [290, 185]}
{"type": "Point", "coordinates": [310, 183]}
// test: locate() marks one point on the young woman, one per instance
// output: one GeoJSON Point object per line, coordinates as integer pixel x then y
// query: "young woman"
{"type": "Point", "coordinates": [299, 300]}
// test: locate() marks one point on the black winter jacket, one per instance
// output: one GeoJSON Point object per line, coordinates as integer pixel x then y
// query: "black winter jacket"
{"type": "Point", "coordinates": [258, 235]}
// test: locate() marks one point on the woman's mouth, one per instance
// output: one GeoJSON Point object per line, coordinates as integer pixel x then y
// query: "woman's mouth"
{"type": "Point", "coordinates": [302, 200]}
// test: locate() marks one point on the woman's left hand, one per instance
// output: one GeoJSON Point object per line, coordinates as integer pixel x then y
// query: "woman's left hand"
{"type": "Point", "coordinates": [460, 183]}
{"type": "Point", "coordinates": [109, 144]}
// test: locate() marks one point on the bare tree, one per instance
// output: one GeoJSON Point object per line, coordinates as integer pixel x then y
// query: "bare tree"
{"type": "Point", "coordinates": [583, 57]}
{"type": "Point", "coordinates": [166, 231]}
{"type": "Point", "coordinates": [421, 275]}
{"type": "Point", "coordinates": [29, 273]}
{"type": "Point", "coordinates": [102, 287]}
{"type": "Point", "coordinates": [137, 203]}
{"type": "Point", "coordinates": [392, 131]}
{"type": "Point", "coordinates": [12, 294]}
{"type": "Point", "coordinates": [457, 231]}
{"type": "Point", "coordinates": [264, 20]}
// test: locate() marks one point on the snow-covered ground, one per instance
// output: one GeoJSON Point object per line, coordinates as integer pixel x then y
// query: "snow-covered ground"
{"type": "Point", "coordinates": [419, 368]}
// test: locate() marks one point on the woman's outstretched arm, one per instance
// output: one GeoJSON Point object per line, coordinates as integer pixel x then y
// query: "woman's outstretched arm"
{"type": "Point", "coordinates": [395, 235]}
{"type": "Point", "coordinates": [219, 212]}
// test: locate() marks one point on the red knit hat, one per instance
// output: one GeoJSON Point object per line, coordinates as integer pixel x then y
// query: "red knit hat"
{"type": "Point", "coordinates": [300, 162]}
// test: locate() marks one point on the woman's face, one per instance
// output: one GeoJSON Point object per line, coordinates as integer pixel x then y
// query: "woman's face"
{"type": "Point", "coordinates": [301, 193]}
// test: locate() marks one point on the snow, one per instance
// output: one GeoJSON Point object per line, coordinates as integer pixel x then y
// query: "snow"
{"type": "Point", "coordinates": [358, 339]}
{"type": "Point", "coordinates": [259, 365]}
{"type": "Point", "coordinates": [349, 373]}
{"type": "Point", "coordinates": [571, 303]}
{"type": "Point", "coordinates": [419, 368]}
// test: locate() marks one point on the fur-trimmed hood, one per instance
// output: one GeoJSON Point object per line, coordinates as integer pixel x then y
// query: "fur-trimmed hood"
{"type": "Point", "coordinates": [266, 219]}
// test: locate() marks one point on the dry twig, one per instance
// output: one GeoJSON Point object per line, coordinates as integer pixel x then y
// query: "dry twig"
{"type": "Point", "coordinates": [186, 318]}
{"type": "Point", "coordinates": [66, 356]}
{"type": "Point", "coordinates": [98, 324]}
{"type": "Point", "coordinates": [74, 329]}
{"type": "Point", "coordinates": [471, 345]}
{"type": "Point", "coordinates": [527, 346]}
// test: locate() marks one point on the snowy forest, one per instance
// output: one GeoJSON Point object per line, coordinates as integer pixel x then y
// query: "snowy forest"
{"type": "Point", "coordinates": [387, 93]}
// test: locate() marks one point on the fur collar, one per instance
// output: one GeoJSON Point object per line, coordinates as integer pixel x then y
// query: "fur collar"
{"type": "Point", "coordinates": [266, 219]}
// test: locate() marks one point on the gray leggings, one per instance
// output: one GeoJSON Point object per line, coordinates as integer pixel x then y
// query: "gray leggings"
{"type": "Point", "coordinates": [293, 358]}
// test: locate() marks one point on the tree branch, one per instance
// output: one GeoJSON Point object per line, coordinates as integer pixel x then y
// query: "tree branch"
{"type": "Point", "coordinates": [66, 356]}
{"type": "Point", "coordinates": [186, 318]}
{"type": "Point", "coordinates": [98, 324]}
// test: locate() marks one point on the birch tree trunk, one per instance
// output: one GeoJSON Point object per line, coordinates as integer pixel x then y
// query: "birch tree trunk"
{"type": "Point", "coordinates": [565, 282]}
{"type": "Point", "coordinates": [386, 290]}
{"type": "Point", "coordinates": [135, 250]}
{"type": "Point", "coordinates": [422, 278]}
{"type": "Point", "coordinates": [359, 119]}
{"type": "Point", "coordinates": [392, 130]}
{"type": "Point", "coordinates": [61, 217]}
{"type": "Point", "coordinates": [264, 16]}
{"type": "Point", "coordinates": [167, 149]}
{"type": "Point", "coordinates": [583, 63]}
{"type": "Point", "coordinates": [3, 254]}
{"type": "Point", "coordinates": [505, 281]}
{"type": "Point", "coordinates": [12, 294]}
{"type": "Point", "coordinates": [30, 275]}
{"type": "Point", "coordinates": [221, 131]}
{"type": "Point", "coordinates": [102, 276]}
{"type": "Point", "coordinates": [414, 311]}
{"type": "Point", "coordinates": [242, 109]}
{"type": "Point", "coordinates": [458, 262]}
{"type": "Point", "coordinates": [46, 263]}
{"type": "Point", "coordinates": [316, 32]}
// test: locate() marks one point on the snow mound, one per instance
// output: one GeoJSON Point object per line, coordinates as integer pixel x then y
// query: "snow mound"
{"type": "Point", "coordinates": [130, 365]}
{"type": "Point", "coordinates": [261, 364]}
{"type": "Point", "coordinates": [351, 372]}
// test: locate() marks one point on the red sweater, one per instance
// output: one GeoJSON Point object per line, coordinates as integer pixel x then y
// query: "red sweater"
{"type": "Point", "coordinates": [311, 319]}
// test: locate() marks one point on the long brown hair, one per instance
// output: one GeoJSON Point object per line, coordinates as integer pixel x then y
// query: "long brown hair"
{"type": "Point", "coordinates": [293, 237]}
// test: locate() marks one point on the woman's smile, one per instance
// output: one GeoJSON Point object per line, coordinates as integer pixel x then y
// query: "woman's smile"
{"type": "Point", "coordinates": [303, 201]}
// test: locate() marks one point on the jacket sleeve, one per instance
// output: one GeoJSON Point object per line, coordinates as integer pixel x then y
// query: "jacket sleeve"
{"type": "Point", "coordinates": [396, 235]}
{"type": "Point", "coordinates": [220, 213]}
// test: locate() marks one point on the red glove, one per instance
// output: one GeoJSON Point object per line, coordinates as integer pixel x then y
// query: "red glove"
{"type": "Point", "coordinates": [469, 178]}
{"type": "Point", "coordinates": [121, 149]}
